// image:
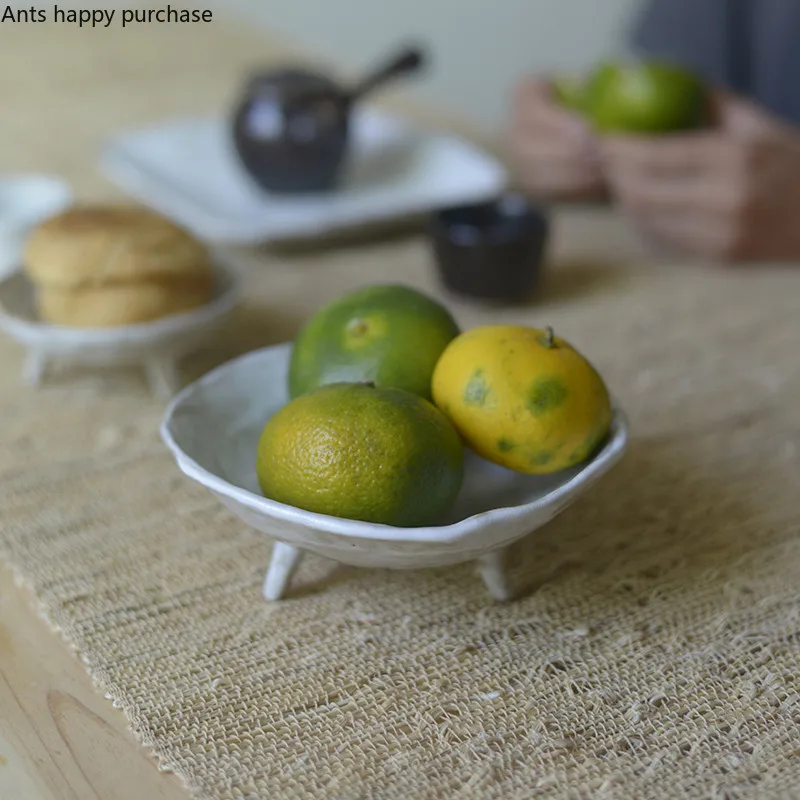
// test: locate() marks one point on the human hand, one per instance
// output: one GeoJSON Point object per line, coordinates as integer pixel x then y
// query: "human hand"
{"type": "Point", "coordinates": [731, 194]}
{"type": "Point", "coordinates": [554, 153]}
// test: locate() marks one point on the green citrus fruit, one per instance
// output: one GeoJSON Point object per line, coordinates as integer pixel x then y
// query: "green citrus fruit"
{"type": "Point", "coordinates": [649, 97]}
{"type": "Point", "coordinates": [388, 334]}
{"type": "Point", "coordinates": [356, 451]}
{"type": "Point", "coordinates": [570, 91]}
{"type": "Point", "coordinates": [523, 398]}
{"type": "Point", "coordinates": [576, 92]}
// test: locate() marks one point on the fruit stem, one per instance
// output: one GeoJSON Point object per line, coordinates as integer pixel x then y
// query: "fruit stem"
{"type": "Point", "coordinates": [357, 327]}
{"type": "Point", "coordinates": [549, 341]}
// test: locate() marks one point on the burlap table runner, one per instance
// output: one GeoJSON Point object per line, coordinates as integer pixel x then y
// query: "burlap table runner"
{"type": "Point", "coordinates": [653, 651]}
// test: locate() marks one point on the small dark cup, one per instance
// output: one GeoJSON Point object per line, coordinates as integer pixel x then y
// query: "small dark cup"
{"type": "Point", "coordinates": [490, 251]}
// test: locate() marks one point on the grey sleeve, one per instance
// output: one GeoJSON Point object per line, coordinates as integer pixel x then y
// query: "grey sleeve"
{"type": "Point", "coordinates": [750, 46]}
{"type": "Point", "coordinates": [698, 34]}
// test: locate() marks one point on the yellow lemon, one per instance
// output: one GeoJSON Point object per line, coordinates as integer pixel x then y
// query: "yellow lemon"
{"type": "Point", "coordinates": [357, 451]}
{"type": "Point", "coordinates": [522, 398]}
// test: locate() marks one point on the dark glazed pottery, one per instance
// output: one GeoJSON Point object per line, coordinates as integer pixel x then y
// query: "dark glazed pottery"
{"type": "Point", "coordinates": [291, 132]}
{"type": "Point", "coordinates": [491, 251]}
{"type": "Point", "coordinates": [291, 128]}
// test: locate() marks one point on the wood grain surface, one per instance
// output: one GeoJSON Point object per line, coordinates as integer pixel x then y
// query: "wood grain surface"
{"type": "Point", "coordinates": [59, 738]}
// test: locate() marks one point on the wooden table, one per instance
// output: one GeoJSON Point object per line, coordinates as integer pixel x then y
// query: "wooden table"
{"type": "Point", "coordinates": [59, 739]}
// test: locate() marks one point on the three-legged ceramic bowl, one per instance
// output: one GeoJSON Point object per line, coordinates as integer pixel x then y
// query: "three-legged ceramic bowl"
{"type": "Point", "coordinates": [156, 346]}
{"type": "Point", "coordinates": [213, 426]}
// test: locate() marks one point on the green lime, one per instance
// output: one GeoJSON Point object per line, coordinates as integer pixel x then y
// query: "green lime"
{"type": "Point", "coordinates": [356, 451]}
{"type": "Point", "coordinates": [649, 97]}
{"type": "Point", "coordinates": [570, 91]}
{"type": "Point", "coordinates": [389, 334]}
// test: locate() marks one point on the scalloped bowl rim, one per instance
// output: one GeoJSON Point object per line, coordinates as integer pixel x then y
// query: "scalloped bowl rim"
{"type": "Point", "coordinates": [611, 452]}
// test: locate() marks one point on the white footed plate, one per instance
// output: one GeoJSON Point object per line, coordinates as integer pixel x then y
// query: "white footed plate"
{"type": "Point", "coordinates": [156, 345]}
{"type": "Point", "coordinates": [213, 426]}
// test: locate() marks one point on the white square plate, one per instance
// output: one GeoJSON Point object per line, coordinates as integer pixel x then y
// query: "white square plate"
{"type": "Point", "coordinates": [188, 170]}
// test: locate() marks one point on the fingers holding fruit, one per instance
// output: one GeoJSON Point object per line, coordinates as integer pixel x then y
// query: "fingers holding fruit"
{"type": "Point", "coordinates": [726, 194]}
{"type": "Point", "coordinates": [551, 145]}
{"type": "Point", "coordinates": [677, 188]}
{"type": "Point", "coordinates": [701, 170]}
{"type": "Point", "coordinates": [557, 122]}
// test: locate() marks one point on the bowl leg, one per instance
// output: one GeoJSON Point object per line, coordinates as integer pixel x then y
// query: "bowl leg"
{"type": "Point", "coordinates": [492, 571]}
{"type": "Point", "coordinates": [35, 367]}
{"type": "Point", "coordinates": [285, 560]}
{"type": "Point", "coordinates": [162, 377]}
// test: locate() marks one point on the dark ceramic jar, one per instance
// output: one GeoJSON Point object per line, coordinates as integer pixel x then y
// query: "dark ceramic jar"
{"type": "Point", "coordinates": [291, 132]}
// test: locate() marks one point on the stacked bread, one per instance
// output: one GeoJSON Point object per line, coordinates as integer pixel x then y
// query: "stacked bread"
{"type": "Point", "coordinates": [104, 266]}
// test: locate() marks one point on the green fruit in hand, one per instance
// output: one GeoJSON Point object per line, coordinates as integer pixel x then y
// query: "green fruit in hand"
{"type": "Point", "coordinates": [603, 73]}
{"type": "Point", "coordinates": [569, 91]}
{"type": "Point", "coordinates": [355, 451]}
{"type": "Point", "coordinates": [649, 97]}
{"type": "Point", "coordinates": [576, 93]}
{"type": "Point", "coordinates": [388, 334]}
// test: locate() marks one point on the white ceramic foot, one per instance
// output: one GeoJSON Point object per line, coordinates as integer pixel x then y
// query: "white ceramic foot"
{"type": "Point", "coordinates": [285, 560]}
{"type": "Point", "coordinates": [35, 367]}
{"type": "Point", "coordinates": [162, 376]}
{"type": "Point", "coordinates": [493, 574]}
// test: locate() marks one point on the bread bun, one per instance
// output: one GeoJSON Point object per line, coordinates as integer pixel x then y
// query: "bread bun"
{"type": "Point", "coordinates": [97, 245]}
{"type": "Point", "coordinates": [104, 266]}
{"type": "Point", "coordinates": [118, 304]}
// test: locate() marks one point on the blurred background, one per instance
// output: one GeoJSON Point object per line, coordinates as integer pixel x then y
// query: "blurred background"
{"type": "Point", "coordinates": [481, 47]}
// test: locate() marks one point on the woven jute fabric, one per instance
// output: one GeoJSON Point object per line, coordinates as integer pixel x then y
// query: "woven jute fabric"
{"type": "Point", "coordinates": [652, 650]}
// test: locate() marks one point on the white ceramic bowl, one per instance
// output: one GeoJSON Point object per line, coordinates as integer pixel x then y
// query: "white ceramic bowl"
{"type": "Point", "coordinates": [156, 345]}
{"type": "Point", "coordinates": [212, 428]}
{"type": "Point", "coordinates": [25, 201]}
